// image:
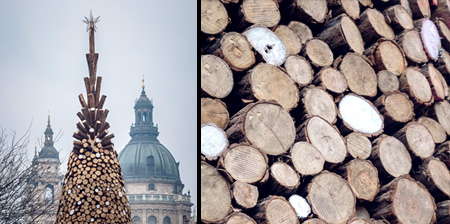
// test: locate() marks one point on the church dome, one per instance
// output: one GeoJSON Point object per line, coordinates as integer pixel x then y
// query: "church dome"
{"type": "Point", "coordinates": [48, 151]}
{"type": "Point", "coordinates": [144, 157]}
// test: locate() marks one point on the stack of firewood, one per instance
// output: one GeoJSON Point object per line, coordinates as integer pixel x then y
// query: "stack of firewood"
{"type": "Point", "coordinates": [325, 111]}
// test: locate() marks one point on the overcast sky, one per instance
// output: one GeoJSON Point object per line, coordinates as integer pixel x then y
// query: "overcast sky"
{"type": "Point", "coordinates": [42, 65]}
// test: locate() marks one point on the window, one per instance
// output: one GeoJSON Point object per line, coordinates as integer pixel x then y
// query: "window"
{"type": "Point", "coordinates": [151, 187]}
{"type": "Point", "coordinates": [166, 220]}
{"type": "Point", "coordinates": [48, 194]}
{"type": "Point", "coordinates": [136, 220]}
{"type": "Point", "coordinates": [175, 189]}
{"type": "Point", "coordinates": [152, 220]}
{"type": "Point", "coordinates": [150, 164]}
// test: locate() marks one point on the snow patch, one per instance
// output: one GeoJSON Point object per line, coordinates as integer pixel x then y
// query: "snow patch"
{"type": "Point", "coordinates": [300, 205]}
{"type": "Point", "coordinates": [213, 140]}
{"type": "Point", "coordinates": [360, 115]}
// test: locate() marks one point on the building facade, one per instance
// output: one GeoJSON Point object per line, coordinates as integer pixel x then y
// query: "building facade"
{"type": "Point", "coordinates": [46, 183]}
{"type": "Point", "coordinates": [152, 179]}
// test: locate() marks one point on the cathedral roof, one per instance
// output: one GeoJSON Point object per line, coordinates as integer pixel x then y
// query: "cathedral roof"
{"type": "Point", "coordinates": [48, 151]}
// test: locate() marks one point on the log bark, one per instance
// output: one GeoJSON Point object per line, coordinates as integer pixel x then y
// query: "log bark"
{"type": "Point", "coordinates": [443, 212]}
{"type": "Point", "coordinates": [443, 153]}
{"type": "Point", "coordinates": [331, 79]}
{"type": "Point", "coordinates": [398, 18]}
{"type": "Point", "coordinates": [404, 200]}
{"type": "Point", "coordinates": [214, 16]}
{"type": "Point", "coordinates": [215, 195]}
{"type": "Point", "coordinates": [245, 163]}
{"type": "Point", "coordinates": [390, 157]}
{"type": "Point", "coordinates": [318, 52]}
{"type": "Point", "coordinates": [387, 55]}
{"type": "Point", "coordinates": [213, 141]}
{"type": "Point", "coordinates": [443, 65]}
{"type": "Point", "coordinates": [214, 111]}
{"type": "Point", "coordinates": [358, 145]}
{"type": "Point", "coordinates": [325, 137]}
{"type": "Point", "coordinates": [396, 109]}
{"type": "Point", "coordinates": [216, 76]}
{"type": "Point", "coordinates": [420, 9]}
{"type": "Point", "coordinates": [442, 11]}
{"type": "Point", "coordinates": [411, 43]}
{"type": "Point", "coordinates": [300, 205]}
{"type": "Point", "coordinates": [244, 195]}
{"type": "Point", "coordinates": [268, 82]}
{"type": "Point", "coordinates": [238, 218]}
{"type": "Point", "coordinates": [306, 158]}
{"type": "Point", "coordinates": [434, 78]}
{"type": "Point", "coordinates": [387, 81]}
{"type": "Point", "coordinates": [312, 12]}
{"type": "Point", "coordinates": [302, 30]}
{"type": "Point", "coordinates": [283, 180]}
{"type": "Point", "coordinates": [267, 44]}
{"type": "Point", "coordinates": [415, 84]}
{"type": "Point", "coordinates": [349, 7]}
{"type": "Point", "coordinates": [360, 76]}
{"type": "Point", "coordinates": [290, 40]}
{"type": "Point", "coordinates": [265, 125]}
{"type": "Point", "coordinates": [416, 137]}
{"type": "Point", "coordinates": [331, 198]}
{"type": "Point", "coordinates": [440, 111]}
{"type": "Point", "coordinates": [299, 69]}
{"type": "Point", "coordinates": [437, 131]}
{"type": "Point", "coordinates": [444, 32]}
{"type": "Point", "coordinates": [342, 35]}
{"type": "Point", "coordinates": [435, 175]}
{"type": "Point", "coordinates": [362, 177]}
{"type": "Point", "coordinates": [317, 102]}
{"type": "Point", "coordinates": [274, 210]}
{"type": "Point", "coordinates": [263, 12]}
{"type": "Point", "coordinates": [373, 26]}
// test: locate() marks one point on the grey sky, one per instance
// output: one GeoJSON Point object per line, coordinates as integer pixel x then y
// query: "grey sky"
{"type": "Point", "coordinates": [42, 65]}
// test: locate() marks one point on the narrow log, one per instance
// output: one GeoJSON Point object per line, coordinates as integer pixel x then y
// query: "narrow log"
{"type": "Point", "coordinates": [245, 163]}
{"type": "Point", "coordinates": [411, 43]}
{"type": "Point", "coordinates": [444, 32]}
{"type": "Point", "coordinates": [87, 85]}
{"type": "Point", "coordinates": [362, 177]}
{"type": "Point", "coordinates": [82, 101]}
{"type": "Point", "coordinates": [443, 212]}
{"type": "Point", "coordinates": [331, 198]}
{"type": "Point", "coordinates": [435, 175]}
{"type": "Point", "coordinates": [214, 111]}
{"type": "Point", "coordinates": [417, 139]}
{"type": "Point", "coordinates": [440, 112]}
{"type": "Point", "coordinates": [318, 52]}
{"type": "Point", "coordinates": [103, 127]}
{"type": "Point", "coordinates": [387, 81]}
{"type": "Point", "coordinates": [214, 16]}
{"type": "Point", "coordinates": [342, 35]}
{"type": "Point", "coordinates": [267, 44]}
{"type": "Point", "coordinates": [244, 195]}
{"type": "Point", "coordinates": [390, 157]}
{"type": "Point", "coordinates": [420, 8]}
{"type": "Point", "coordinates": [216, 76]}
{"type": "Point", "coordinates": [396, 109]}
{"type": "Point", "coordinates": [98, 87]}
{"type": "Point", "coordinates": [415, 84]}
{"type": "Point", "coordinates": [302, 30]}
{"type": "Point", "coordinates": [443, 65]}
{"type": "Point", "coordinates": [434, 78]}
{"type": "Point", "coordinates": [216, 197]}
{"type": "Point", "coordinates": [430, 37]}
{"type": "Point", "coordinates": [238, 218]}
{"type": "Point", "coordinates": [400, 197]}
{"type": "Point", "coordinates": [263, 12]}
{"type": "Point", "coordinates": [213, 141]}
{"type": "Point", "coordinates": [103, 133]}
{"type": "Point", "coordinates": [79, 135]}
{"type": "Point", "coordinates": [81, 116]}
{"type": "Point", "coordinates": [325, 137]}
{"type": "Point", "coordinates": [373, 26]}
{"type": "Point", "coordinates": [300, 205]}
{"type": "Point", "coordinates": [437, 131]}
{"type": "Point", "coordinates": [358, 145]}
{"type": "Point", "coordinates": [387, 55]}
{"type": "Point", "coordinates": [299, 69]}
{"type": "Point", "coordinates": [316, 101]}
{"type": "Point", "coordinates": [360, 76]}
{"type": "Point", "coordinates": [312, 12]}
{"type": "Point", "coordinates": [290, 40]}
{"type": "Point", "coordinates": [273, 132]}
{"type": "Point", "coordinates": [274, 210]}
{"type": "Point", "coordinates": [306, 158]}
{"type": "Point", "coordinates": [398, 18]}
{"type": "Point", "coordinates": [101, 102]}
{"type": "Point", "coordinates": [283, 180]}
{"type": "Point", "coordinates": [349, 7]}
{"type": "Point", "coordinates": [81, 128]}
{"type": "Point", "coordinates": [442, 11]}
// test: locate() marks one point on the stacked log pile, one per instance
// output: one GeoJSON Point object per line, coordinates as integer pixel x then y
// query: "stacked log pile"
{"type": "Point", "coordinates": [325, 111]}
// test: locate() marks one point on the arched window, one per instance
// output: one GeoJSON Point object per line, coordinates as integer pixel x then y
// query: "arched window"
{"type": "Point", "coordinates": [138, 117]}
{"type": "Point", "coordinates": [136, 220]}
{"type": "Point", "coordinates": [152, 220]}
{"type": "Point", "coordinates": [166, 220]}
{"type": "Point", "coordinates": [143, 117]}
{"type": "Point", "coordinates": [150, 164]}
{"type": "Point", "coordinates": [48, 194]}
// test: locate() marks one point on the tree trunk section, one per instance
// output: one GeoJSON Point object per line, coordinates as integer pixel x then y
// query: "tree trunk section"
{"type": "Point", "coordinates": [362, 177]}
{"type": "Point", "coordinates": [440, 111]}
{"type": "Point", "coordinates": [417, 139]}
{"type": "Point", "coordinates": [299, 69]}
{"type": "Point", "coordinates": [387, 55]}
{"type": "Point", "coordinates": [443, 212]}
{"type": "Point", "coordinates": [290, 39]}
{"type": "Point", "coordinates": [283, 180]}
{"type": "Point", "coordinates": [411, 44]}
{"type": "Point", "coordinates": [373, 26]}
{"type": "Point", "coordinates": [360, 76]}
{"type": "Point", "coordinates": [358, 145]}
{"type": "Point", "coordinates": [435, 176]}
{"type": "Point", "coordinates": [331, 79]}
{"type": "Point", "coordinates": [238, 218]}
{"type": "Point", "coordinates": [314, 221]}
{"type": "Point", "coordinates": [398, 18]}
{"type": "Point", "coordinates": [262, 12]}
{"type": "Point", "coordinates": [430, 37]}
{"type": "Point", "coordinates": [415, 84]}
{"type": "Point", "coordinates": [316, 101]}
{"type": "Point", "coordinates": [244, 195]}
{"type": "Point", "coordinates": [396, 108]}
{"type": "Point", "coordinates": [245, 163]}
{"type": "Point", "coordinates": [312, 12]}
{"type": "Point", "coordinates": [387, 81]}
{"type": "Point", "coordinates": [302, 30]}
{"type": "Point", "coordinates": [349, 7]}
{"type": "Point", "coordinates": [318, 52]}
{"type": "Point", "coordinates": [444, 32]}
{"type": "Point", "coordinates": [442, 11]}
{"type": "Point", "coordinates": [214, 111]}
{"type": "Point", "coordinates": [306, 158]}
{"type": "Point", "coordinates": [420, 8]}
{"type": "Point", "coordinates": [274, 210]}
{"type": "Point", "coordinates": [390, 157]}
{"type": "Point", "coordinates": [436, 129]}
{"type": "Point", "coordinates": [214, 16]}
{"type": "Point", "coordinates": [216, 76]}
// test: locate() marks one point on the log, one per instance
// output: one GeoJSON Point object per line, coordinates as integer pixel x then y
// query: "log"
{"type": "Point", "coordinates": [406, 201]}
{"type": "Point", "coordinates": [443, 212]}
{"type": "Point", "coordinates": [290, 40]}
{"type": "Point", "coordinates": [215, 195]}
{"type": "Point", "coordinates": [358, 145]}
{"type": "Point", "coordinates": [411, 43]}
{"type": "Point", "coordinates": [430, 37]}
{"type": "Point", "coordinates": [387, 81]}
{"type": "Point", "coordinates": [244, 195]}
{"type": "Point", "coordinates": [283, 180]}
{"type": "Point", "coordinates": [342, 35]}
{"type": "Point", "coordinates": [416, 86]}
{"type": "Point", "coordinates": [213, 141]}
{"type": "Point", "coordinates": [390, 157]}
{"type": "Point", "coordinates": [325, 137]}
{"type": "Point", "coordinates": [214, 16]}
{"type": "Point", "coordinates": [314, 221]}
{"type": "Point", "coordinates": [273, 131]}
{"type": "Point", "coordinates": [387, 55]}
{"type": "Point", "coordinates": [362, 177]}
{"type": "Point", "coordinates": [299, 69]}
{"type": "Point", "coordinates": [306, 158]}
{"type": "Point", "coordinates": [82, 101]}
{"type": "Point", "coordinates": [443, 153]}
{"type": "Point", "coordinates": [300, 205]}
{"type": "Point", "coordinates": [331, 79]}
{"type": "Point", "coordinates": [435, 176]}
{"type": "Point", "coordinates": [263, 12]}
{"type": "Point", "coordinates": [420, 9]}
{"type": "Point", "coordinates": [442, 11]}
{"type": "Point", "coordinates": [245, 163]}
{"type": "Point", "coordinates": [440, 111]}
{"type": "Point", "coordinates": [444, 32]}
{"type": "Point", "coordinates": [398, 18]}
{"type": "Point", "coordinates": [434, 78]}
{"type": "Point", "coordinates": [274, 210]}
{"type": "Point", "coordinates": [437, 131]}
{"type": "Point", "coordinates": [373, 26]}
{"type": "Point", "coordinates": [331, 198]}
{"type": "Point", "coordinates": [81, 116]}
{"type": "Point", "coordinates": [359, 114]}
{"type": "Point", "coordinates": [268, 82]}
{"type": "Point", "coordinates": [101, 102]}
{"type": "Point", "coordinates": [360, 76]}
{"type": "Point", "coordinates": [443, 64]}
{"type": "Point", "coordinates": [359, 221]}
{"type": "Point", "coordinates": [267, 44]}
{"type": "Point", "coordinates": [216, 76]}
{"type": "Point", "coordinates": [349, 7]}
{"type": "Point", "coordinates": [362, 213]}
{"type": "Point", "coordinates": [302, 31]}
{"type": "Point", "coordinates": [318, 53]}
{"type": "Point", "coordinates": [238, 218]}
{"type": "Point", "coordinates": [97, 90]}
{"type": "Point", "coordinates": [309, 11]}
{"type": "Point", "coordinates": [214, 111]}
{"type": "Point", "coordinates": [316, 101]}
{"type": "Point", "coordinates": [416, 137]}
{"type": "Point", "coordinates": [396, 109]}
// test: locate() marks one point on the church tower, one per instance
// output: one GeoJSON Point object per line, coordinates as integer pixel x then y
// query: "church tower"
{"type": "Point", "coordinates": [47, 180]}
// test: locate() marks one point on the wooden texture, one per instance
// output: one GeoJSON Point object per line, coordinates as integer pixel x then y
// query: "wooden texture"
{"type": "Point", "coordinates": [443, 212]}
{"type": "Point", "coordinates": [245, 163]}
{"type": "Point", "coordinates": [214, 111]}
{"type": "Point", "coordinates": [440, 111]}
{"type": "Point", "coordinates": [283, 180]}
{"type": "Point", "coordinates": [238, 218]}
{"type": "Point", "coordinates": [358, 145]}
{"type": "Point", "coordinates": [415, 84]}
{"type": "Point", "coordinates": [350, 7]}
{"type": "Point", "coordinates": [214, 16]}
{"type": "Point", "coordinates": [318, 53]}
{"type": "Point", "coordinates": [309, 11]}
{"type": "Point", "coordinates": [436, 84]}
{"type": "Point", "coordinates": [416, 137]}
{"type": "Point", "coordinates": [306, 158]}
{"type": "Point", "coordinates": [290, 40]}
{"type": "Point", "coordinates": [331, 79]}
{"type": "Point", "coordinates": [302, 30]}
{"type": "Point", "coordinates": [362, 178]}
{"type": "Point", "coordinates": [435, 176]}
{"type": "Point", "coordinates": [396, 108]}
{"type": "Point", "coordinates": [442, 11]}
{"type": "Point", "coordinates": [437, 131]}
{"type": "Point", "coordinates": [360, 76]}
{"type": "Point", "coordinates": [267, 44]}
{"type": "Point", "coordinates": [373, 26]}
{"type": "Point", "coordinates": [387, 55]}
{"type": "Point", "coordinates": [234, 49]}
{"type": "Point", "coordinates": [444, 32]}
{"type": "Point", "coordinates": [216, 76]}
{"type": "Point", "coordinates": [316, 101]}
{"type": "Point", "coordinates": [412, 46]}
{"type": "Point", "coordinates": [299, 69]}
{"type": "Point", "coordinates": [274, 210]}
{"type": "Point", "coordinates": [244, 195]}
{"type": "Point", "coordinates": [390, 156]}
{"type": "Point", "coordinates": [398, 18]}
{"type": "Point", "coordinates": [387, 81]}
{"type": "Point", "coordinates": [263, 12]}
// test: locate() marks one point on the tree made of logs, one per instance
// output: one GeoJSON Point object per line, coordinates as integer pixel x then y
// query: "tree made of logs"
{"type": "Point", "coordinates": [93, 190]}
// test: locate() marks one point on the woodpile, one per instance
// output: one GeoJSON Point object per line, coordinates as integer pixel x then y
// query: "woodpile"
{"type": "Point", "coordinates": [325, 111]}
{"type": "Point", "coordinates": [93, 190]}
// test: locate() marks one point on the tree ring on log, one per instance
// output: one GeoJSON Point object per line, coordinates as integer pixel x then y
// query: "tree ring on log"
{"type": "Point", "coordinates": [245, 164]}
{"type": "Point", "coordinates": [216, 76]}
{"type": "Point", "coordinates": [264, 12]}
{"type": "Point", "coordinates": [299, 69]}
{"type": "Point", "coordinates": [306, 158]}
{"type": "Point", "coordinates": [360, 76]}
{"type": "Point", "coordinates": [352, 35]}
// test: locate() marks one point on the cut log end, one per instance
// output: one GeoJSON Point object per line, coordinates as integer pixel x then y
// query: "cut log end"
{"type": "Point", "coordinates": [436, 129]}
{"type": "Point", "coordinates": [317, 101]}
{"type": "Point", "coordinates": [411, 44]}
{"type": "Point", "coordinates": [431, 39]}
{"type": "Point", "coordinates": [237, 51]}
{"type": "Point", "coordinates": [319, 53]}
{"type": "Point", "coordinates": [332, 80]}
{"type": "Point", "coordinates": [387, 81]}
{"type": "Point", "coordinates": [245, 195]}
{"type": "Point", "coordinates": [263, 12]}
{"type": "Point", "coordinates": [245, 163]}
{"type": "Point", "coordinates": [360, 76]}
{"type": "Point", "coordinates": [290, 39]}
{"type": "Point", "coordinates": [214, 111]}
{"type": "Point", "coordinates": [299, 69]}
{"type": "Point", "coordinates": [302, 31]}
{"type": "Point", "coordinates": [216, 76]}
{"type": "Point", "coordinates": [358, 145]}
{"type": "Point", "coordinates": [214, 16]}
{"type": "Point", "coordinates": [307, 159]}
{"type": "Point", "coordinates": [393, 156]}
